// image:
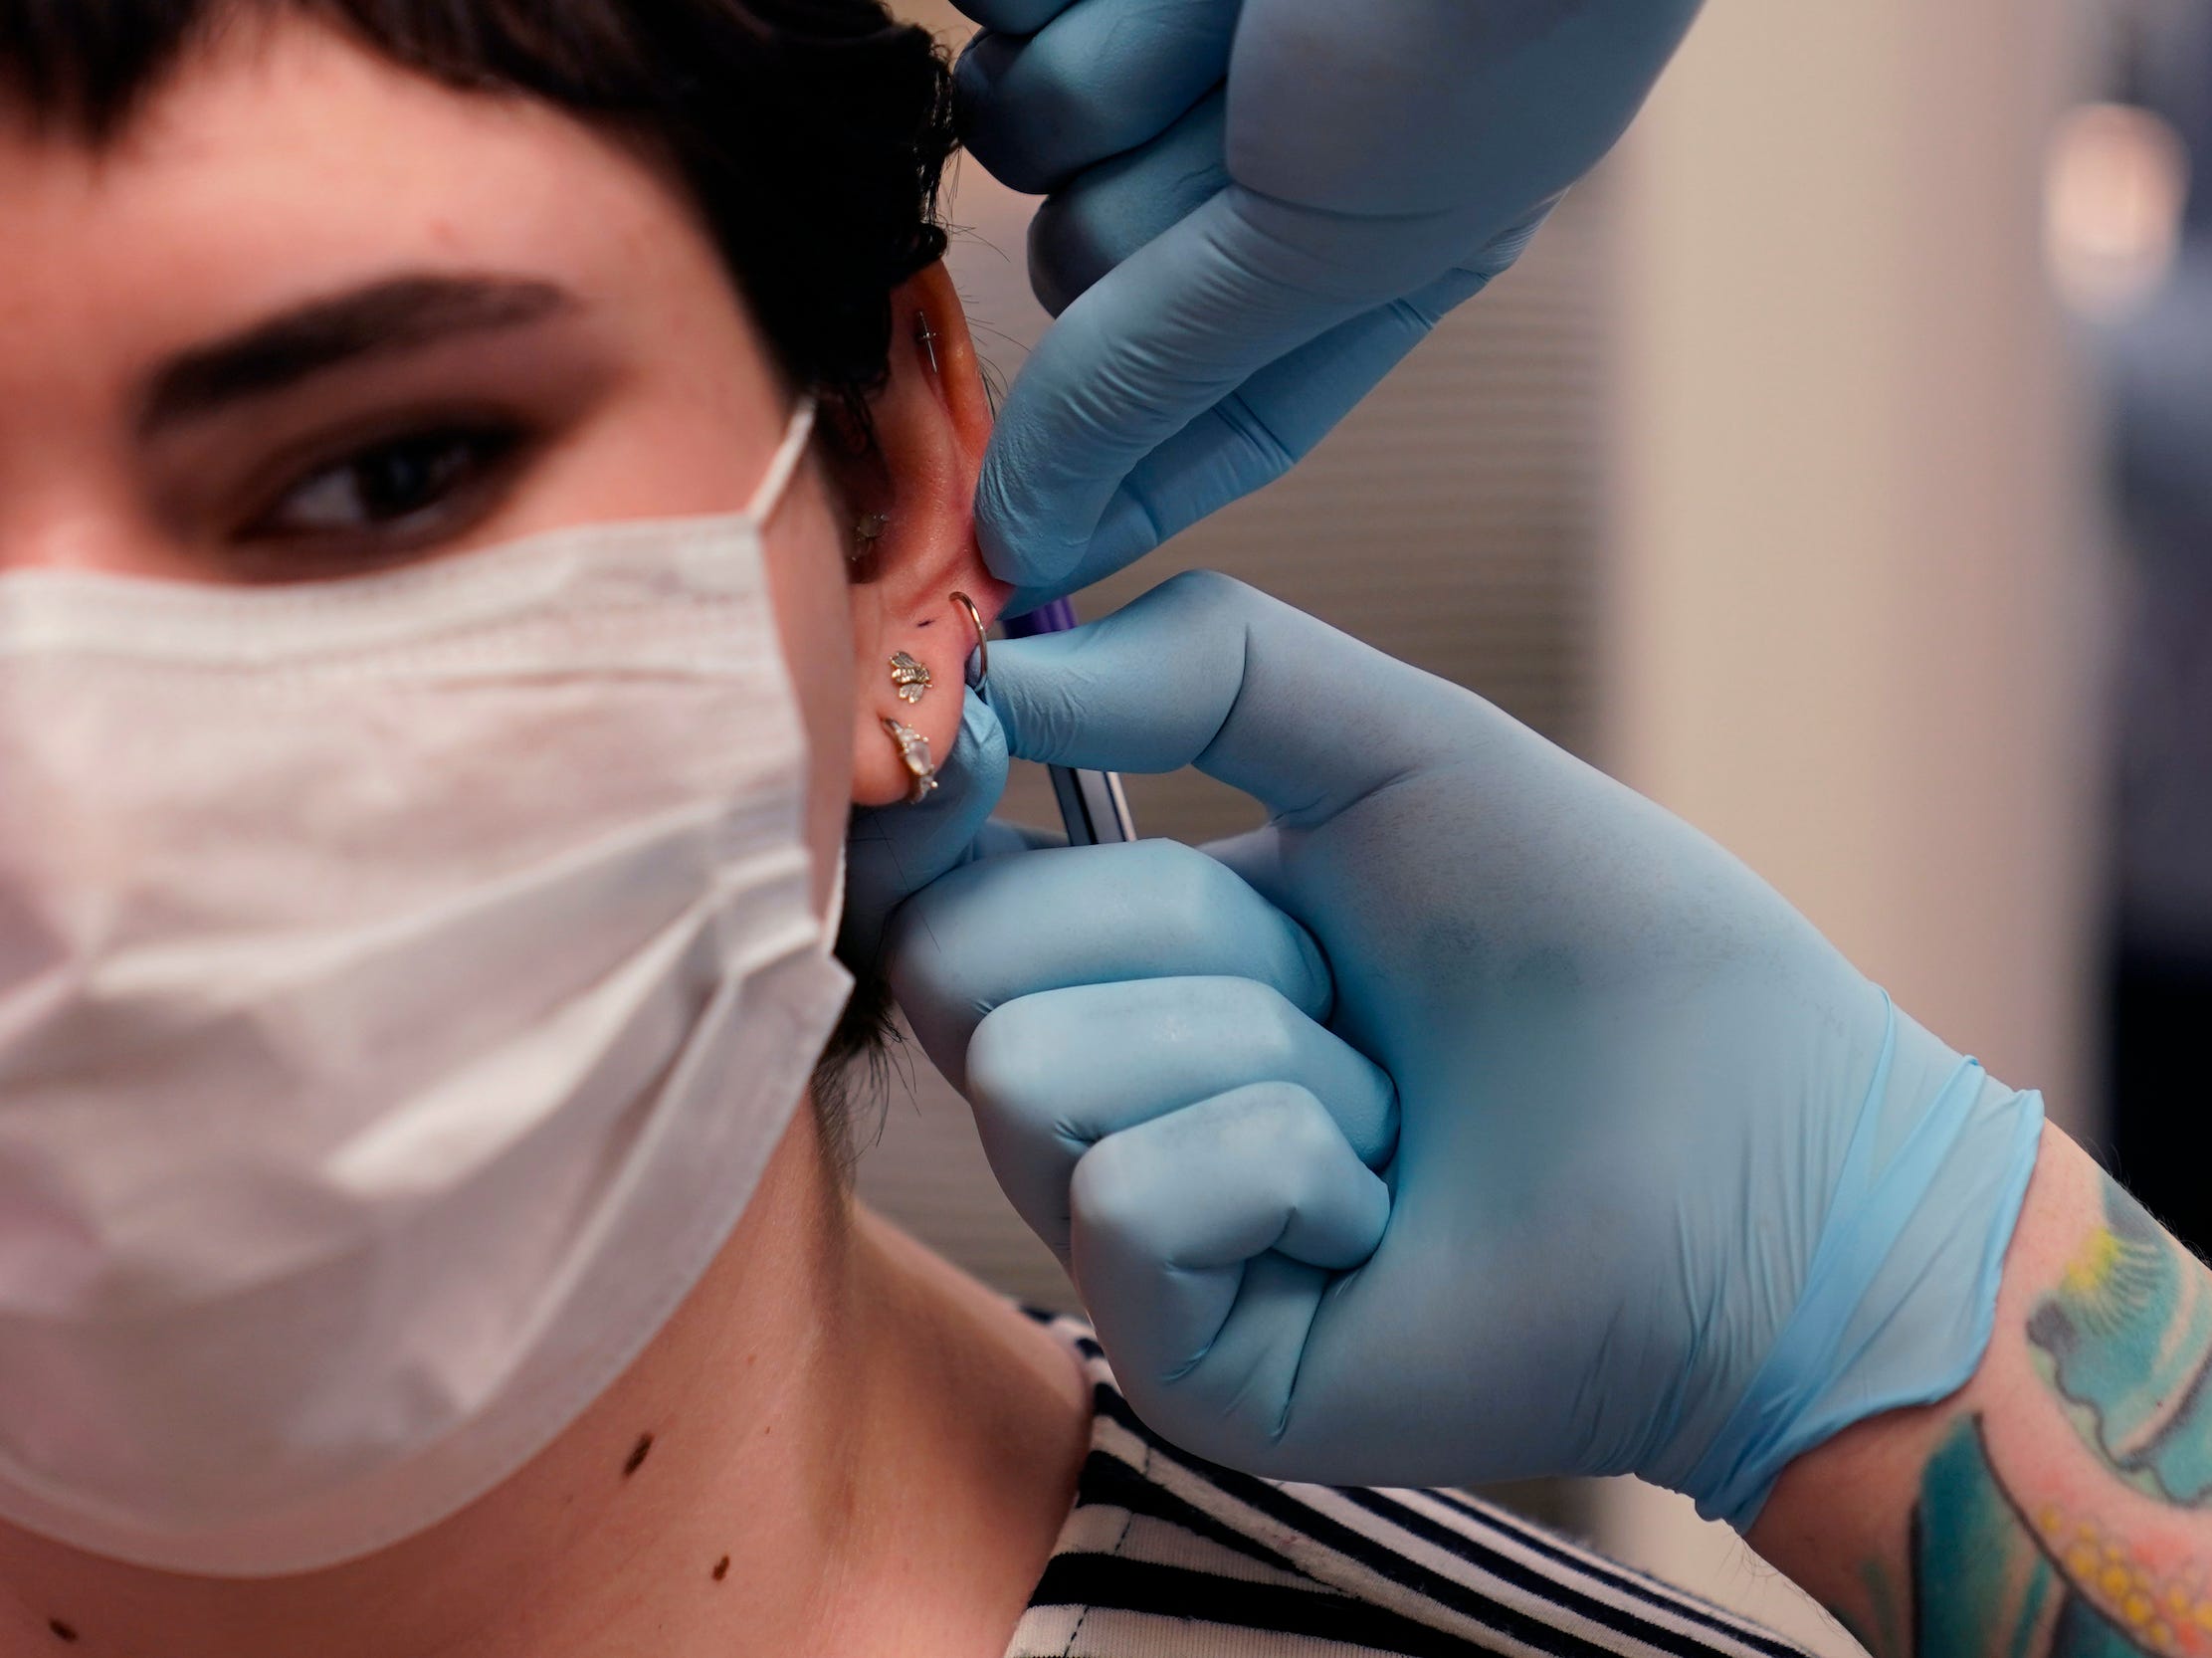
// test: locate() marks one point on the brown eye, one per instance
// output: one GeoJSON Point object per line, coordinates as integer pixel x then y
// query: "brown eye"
{"type": "Point", "coordinates": [401, 484]}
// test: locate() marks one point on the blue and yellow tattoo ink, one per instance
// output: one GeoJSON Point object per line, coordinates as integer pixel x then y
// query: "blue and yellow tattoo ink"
{"type": "Point", "coordinates": [2128, 1340]}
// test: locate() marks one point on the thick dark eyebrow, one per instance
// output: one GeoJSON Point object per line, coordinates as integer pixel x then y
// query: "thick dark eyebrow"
{"type": "Point", "coordinates": [401, 313]}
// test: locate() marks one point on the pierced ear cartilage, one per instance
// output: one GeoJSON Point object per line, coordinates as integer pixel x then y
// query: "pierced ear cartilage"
{"type": "Point", "coordinates": [910, 677]}
{"type": "Point", "coordinates": [868, 532]}
{"type": "Point", "coordinates": [926, 337]}
{"type": "Point", "coordinates": [979, 662]}
{"type": "Point", "coordinates": [913, 754]}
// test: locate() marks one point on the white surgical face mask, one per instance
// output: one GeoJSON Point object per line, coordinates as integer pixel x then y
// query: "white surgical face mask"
{"type": "Point", "coordinates": [403, 981]}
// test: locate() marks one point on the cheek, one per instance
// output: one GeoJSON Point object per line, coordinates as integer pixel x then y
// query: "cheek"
{"type": "Point", "coordinates": [814, 618]}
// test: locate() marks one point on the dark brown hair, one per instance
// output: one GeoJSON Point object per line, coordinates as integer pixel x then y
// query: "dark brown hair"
{"type": "Point", "coordinates": [813, 133]}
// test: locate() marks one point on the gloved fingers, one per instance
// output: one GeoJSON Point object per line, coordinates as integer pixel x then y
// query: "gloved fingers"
{"type": "Point", "coordinates": [892, 852]}
{"type": "Point", "coordinates": [1423, 104]}
{"type": "Point", "coordinates": [1206, 1189]}
{"type": "Point", "coordinates": [1012, 17]}
{"type": "Point", "coordinates": [1089, 226]}
{"type": "Point", "coordinates": [1100, 77]}
{"type": "Point", "coordinates": [1203, 1243]}
{"type": "Point", "coordinates": [1006, 928]}
{"type": "Point", "coordinates": [1259, 432]}
{"type": "Point", "coordinates": [1185, 321]}
{"type": "Point", "coordinates": [1255, 434]}
{"type": "Point", "coordinates": [1204, 671]}
{"type": "Point", "coordinates": [1054, 1073]}
{"type": "Point", "coordinates": [997, 838]}
{"type": "Point", "coordinates": [1102, 215]}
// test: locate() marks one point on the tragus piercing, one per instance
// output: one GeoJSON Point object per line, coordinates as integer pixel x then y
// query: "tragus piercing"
{"type": "Point", "coordinates": [913, 754]}
{"type": "Point", "coordinates": [979, 659]}
{"type": "Point", "coordinates": [910, 677]}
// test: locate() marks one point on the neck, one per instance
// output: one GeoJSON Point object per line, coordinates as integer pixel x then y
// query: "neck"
{"type": "Point", "coordinates": [879, 1450]}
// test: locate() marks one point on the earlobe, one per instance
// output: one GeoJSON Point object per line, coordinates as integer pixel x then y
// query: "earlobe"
{"type": "Point", "coordinates": [913, 545]}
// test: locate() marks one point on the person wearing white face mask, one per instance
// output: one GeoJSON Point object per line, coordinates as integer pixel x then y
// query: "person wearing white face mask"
{"type": "Point", "coordinates": [435, 668]}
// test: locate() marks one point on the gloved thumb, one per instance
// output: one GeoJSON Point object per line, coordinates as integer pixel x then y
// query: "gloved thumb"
{"type": "Point", "coordinates": [1204, 671]}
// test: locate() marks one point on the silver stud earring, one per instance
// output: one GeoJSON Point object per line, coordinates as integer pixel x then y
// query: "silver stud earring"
{"type": "Point", "coordinates": [910, 677]}
{"type": "Point", "coordinates": [913, 754]}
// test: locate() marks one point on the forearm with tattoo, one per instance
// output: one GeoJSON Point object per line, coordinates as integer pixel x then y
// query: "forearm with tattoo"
{"type": "Point", "coordinates": [2061, 1505]}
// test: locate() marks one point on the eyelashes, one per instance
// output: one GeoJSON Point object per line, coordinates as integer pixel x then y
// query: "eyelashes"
{"type": "Point", "coordinates": [410, 485]}
{"type": "Point", "coordinates": [381, 504]}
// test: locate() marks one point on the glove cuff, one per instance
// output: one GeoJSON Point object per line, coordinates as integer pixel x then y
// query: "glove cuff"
{"type": "Point", "coordinates": [1901, 1290]}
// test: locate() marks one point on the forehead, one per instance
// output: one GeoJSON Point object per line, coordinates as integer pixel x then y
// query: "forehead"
{"type": "Point", "coordinates": [285, 160]}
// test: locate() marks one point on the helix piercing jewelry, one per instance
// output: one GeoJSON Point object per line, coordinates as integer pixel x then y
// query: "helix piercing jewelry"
{"type": "Point", "coordinates": [910, 677]}
{"type": "Point", "coordinates": [867, 533]}
{"type": "Point", "coordinates": [926, 337]}
{"type": "Point", "coordinates": [979, 661]}
{"type": "Point", "coordinates": [913, 754]}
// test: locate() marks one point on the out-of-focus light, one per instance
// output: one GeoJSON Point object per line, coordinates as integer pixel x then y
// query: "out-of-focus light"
{"type": "Point", "coordinates": [2115, 188]}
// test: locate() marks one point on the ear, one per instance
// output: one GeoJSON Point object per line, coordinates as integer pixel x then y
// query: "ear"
{"type": "Point", "coordinates": [911, 541]}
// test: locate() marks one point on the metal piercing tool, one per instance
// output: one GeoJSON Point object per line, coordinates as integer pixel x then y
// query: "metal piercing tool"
{"type": "Point", "coordinates": [1093, 804]}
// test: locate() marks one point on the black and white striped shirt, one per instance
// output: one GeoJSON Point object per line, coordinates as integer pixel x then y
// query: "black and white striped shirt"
{"type": "Point", "coordinates": [1167, 1556]}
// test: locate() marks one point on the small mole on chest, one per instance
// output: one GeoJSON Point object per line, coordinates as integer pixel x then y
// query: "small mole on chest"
{"type": "Point", "coordinates": [61, 1632]}
{"type": "Point", "coordinates": [637, 1455]}
{"type": "Point", "coordinates": [722, 1568]}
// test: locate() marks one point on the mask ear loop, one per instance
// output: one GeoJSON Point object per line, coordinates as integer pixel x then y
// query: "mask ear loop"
{"type": "Point", "coordinates": [760, 509]}
{"type": "Point", "coordinates": [789, 453]}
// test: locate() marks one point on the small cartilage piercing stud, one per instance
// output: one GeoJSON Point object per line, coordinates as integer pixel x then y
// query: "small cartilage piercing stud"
{"type": "Point", "coordinates": [867, 533]}
{"type": "Point", "coordinates": [910, 677]}
{"type": "Point", "coordinates": [913, 754]}
{"type": "Point", "coordinates": [926, 337]}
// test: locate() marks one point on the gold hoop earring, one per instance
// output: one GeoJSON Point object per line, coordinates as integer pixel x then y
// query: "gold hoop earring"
{"type": "Point", "coordinates": [979, 659]}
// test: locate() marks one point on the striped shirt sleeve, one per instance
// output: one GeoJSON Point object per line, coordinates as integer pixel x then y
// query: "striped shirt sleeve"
{"type": "Point", "coordinates": [1167, 1556]}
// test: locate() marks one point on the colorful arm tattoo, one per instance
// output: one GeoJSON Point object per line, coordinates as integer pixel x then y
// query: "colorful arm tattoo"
{"type": "Point", "coordinates": [2096, 1548]}
{"type": "Point", "coordinates": [2127, 1336]}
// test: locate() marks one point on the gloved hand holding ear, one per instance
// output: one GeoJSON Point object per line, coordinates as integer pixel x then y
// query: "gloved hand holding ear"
{"type": "Point", "coordinates": [1254, 209]}
{"type": "Point", "coordinates": [1473, 1118]}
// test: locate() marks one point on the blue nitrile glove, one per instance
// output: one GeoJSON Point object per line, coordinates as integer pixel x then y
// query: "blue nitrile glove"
{"type": "Point", "coordinates": [1288, 195]}
{"type": "Point", "coordinates": [1664, 1184]}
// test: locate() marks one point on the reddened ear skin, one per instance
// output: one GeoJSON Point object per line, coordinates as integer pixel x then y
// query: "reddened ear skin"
{"type": "Point", "coordinates": [921, 595]}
